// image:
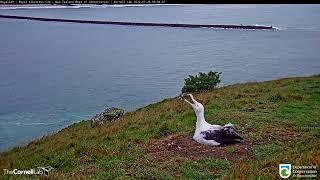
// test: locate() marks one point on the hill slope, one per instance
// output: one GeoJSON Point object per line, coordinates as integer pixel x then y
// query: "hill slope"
{"type": "Point", "coordinates": [279, 120]}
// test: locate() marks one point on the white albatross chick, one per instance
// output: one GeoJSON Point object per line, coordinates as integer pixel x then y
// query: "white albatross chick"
{"type": "Point", "coordinates": [211, 134]}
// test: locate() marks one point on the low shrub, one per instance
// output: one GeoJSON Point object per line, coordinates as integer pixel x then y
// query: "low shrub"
{"type": "Point", "coordinates": [201, 82]}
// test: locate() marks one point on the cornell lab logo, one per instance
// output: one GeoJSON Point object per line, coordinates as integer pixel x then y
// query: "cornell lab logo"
{"type": "Point", "coordinates": [40, 170]}
{"type": "Point", "coordinates": [46, 170]}
{"type": "Point", "coordinates": [285, 170]}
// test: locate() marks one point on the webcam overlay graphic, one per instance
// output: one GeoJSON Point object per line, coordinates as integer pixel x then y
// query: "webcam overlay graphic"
{"type": "Point", "coordinates": [285, 170]}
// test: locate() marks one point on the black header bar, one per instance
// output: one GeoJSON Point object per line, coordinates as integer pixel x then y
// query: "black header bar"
{"type": "Point", "coordinates": [128, 2]}
{"type": "Point", "coordinates": [66, 2]}
{"type": "Point", "coordinates": [69, 2]}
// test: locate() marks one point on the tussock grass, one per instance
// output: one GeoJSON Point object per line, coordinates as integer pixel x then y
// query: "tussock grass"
{"type": "Point", "coordinates": [282, 126]}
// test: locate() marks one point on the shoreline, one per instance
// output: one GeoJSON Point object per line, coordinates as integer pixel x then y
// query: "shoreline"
{"type": "Point", "coordinates": [277, 119]}
{"type": "Point", "coordinates": [219, 26]}
{"type": "Point", "coordinates": [26, 143]}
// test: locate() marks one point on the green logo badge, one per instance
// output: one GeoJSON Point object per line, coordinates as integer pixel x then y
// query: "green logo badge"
{"type": "Point", "coordinates": [285, 170]}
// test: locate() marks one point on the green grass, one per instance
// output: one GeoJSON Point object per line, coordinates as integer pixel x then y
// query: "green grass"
{"type": "Point", "coordinates": [267, 150]}
{"type": "Point", "coordinates": [215, 163]}
{"type": "Point", "coordinates": [283, 127]}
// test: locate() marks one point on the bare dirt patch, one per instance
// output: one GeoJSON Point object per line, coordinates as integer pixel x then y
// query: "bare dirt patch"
{"type": "Point", "coordinates": [284, 135]}
{"type": "Point", "coordinates": [185, 146]}
{"type": "Point", "coordinates": [89, 170]}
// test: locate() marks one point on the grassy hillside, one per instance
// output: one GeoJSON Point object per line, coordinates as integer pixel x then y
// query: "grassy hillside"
{"type": "Point", "coordinates": [279, 120]}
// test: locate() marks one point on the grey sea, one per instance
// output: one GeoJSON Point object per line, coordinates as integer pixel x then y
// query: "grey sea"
{"type": "Point", "coordinates": [54, 74]}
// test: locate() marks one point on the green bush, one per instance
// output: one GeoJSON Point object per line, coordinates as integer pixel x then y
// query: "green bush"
{"type": "Point", "coordinates": [202, 81]}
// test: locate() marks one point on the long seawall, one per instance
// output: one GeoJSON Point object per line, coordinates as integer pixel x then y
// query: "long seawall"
{"type": "Point", "coordinates": [139, 23]}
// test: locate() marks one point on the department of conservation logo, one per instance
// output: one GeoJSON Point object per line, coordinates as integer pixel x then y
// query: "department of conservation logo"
{"type": "Point", "coordinates": [285, 170]}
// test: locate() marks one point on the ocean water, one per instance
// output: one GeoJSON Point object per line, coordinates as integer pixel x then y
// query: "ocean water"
{"type": "Point", "coordinates": [54, 74]}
